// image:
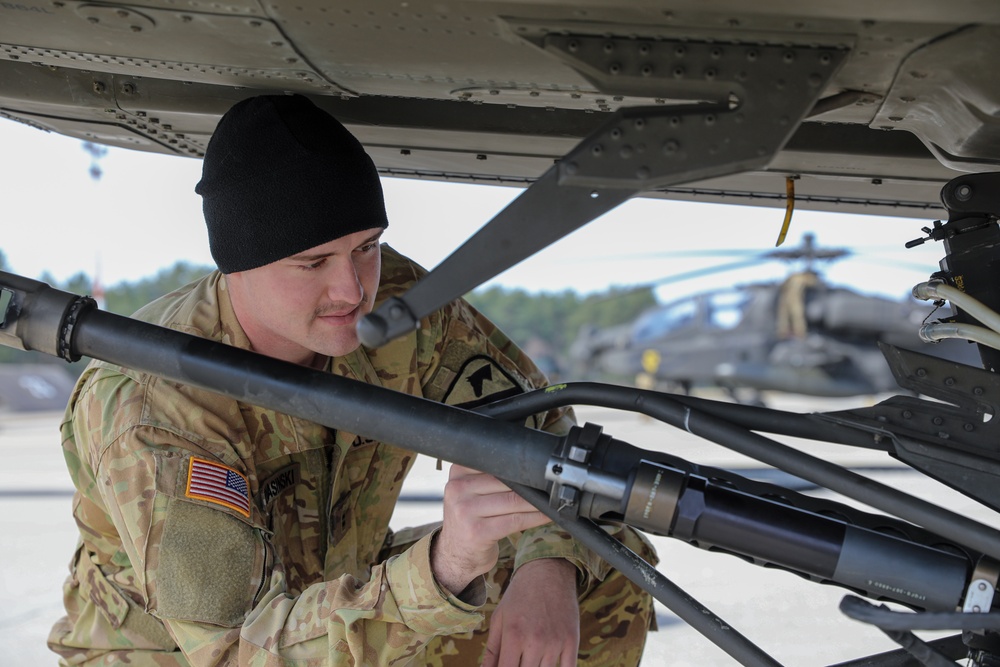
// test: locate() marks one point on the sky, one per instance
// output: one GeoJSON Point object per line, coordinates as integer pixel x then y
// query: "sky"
{"type": "Point", "coordinates": [142, 215]}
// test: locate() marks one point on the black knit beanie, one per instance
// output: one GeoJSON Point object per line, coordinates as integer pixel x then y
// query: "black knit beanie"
{"type": "Point", "coordinates": [281, 176]}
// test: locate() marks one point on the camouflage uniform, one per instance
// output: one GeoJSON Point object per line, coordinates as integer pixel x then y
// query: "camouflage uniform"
{"type": "Point", "coordinates": [287, 559]}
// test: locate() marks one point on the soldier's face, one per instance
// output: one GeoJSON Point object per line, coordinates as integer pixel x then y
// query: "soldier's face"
{"type": "Point", "coordinates": [308, 304]}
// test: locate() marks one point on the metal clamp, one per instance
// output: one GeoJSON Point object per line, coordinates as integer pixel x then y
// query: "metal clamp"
{"type": "Point", "coordinates": [982, 588]}
{"type": "Point", "coordinates": [77, 308]}
{"type": "Point", "coordinates": [979, 597]}
{"type": "Point", "coordinates": [571, 476]}
{"type": "Point", "coordinates": [39, 317]}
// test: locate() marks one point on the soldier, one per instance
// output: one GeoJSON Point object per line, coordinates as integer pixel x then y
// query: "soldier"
{"type": "Point", "coordinates": [792, 321]}
{"type": "Point", "coordinates": [218, 533]}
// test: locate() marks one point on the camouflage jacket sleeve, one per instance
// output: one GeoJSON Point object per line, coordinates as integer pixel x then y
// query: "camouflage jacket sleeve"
{"type": "Point", "coordinates": [204, 568]}
{"type": "Point", "coordinates": [383, 621]}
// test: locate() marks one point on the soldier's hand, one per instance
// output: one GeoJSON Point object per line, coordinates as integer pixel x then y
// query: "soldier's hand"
{"type": "Point", "coordinates": [479, 510]}
{"type": "Point", "coordinates": [537, 623]}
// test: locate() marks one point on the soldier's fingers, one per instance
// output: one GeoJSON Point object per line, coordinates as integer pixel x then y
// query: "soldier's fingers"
{"type": "Point", "coordinates": [475, 483]}
{"type": "Point", "coordinates": [490, 657]}
{"type": "Point", "coordinates": [501, 503]}
{"type": "Point", "coordinates": [456, 471]}
{"type": "Point", "coordinates": [506, 524]}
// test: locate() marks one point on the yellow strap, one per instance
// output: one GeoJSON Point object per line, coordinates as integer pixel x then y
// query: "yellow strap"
{"type": "Point", "coordinates": [789, 207]}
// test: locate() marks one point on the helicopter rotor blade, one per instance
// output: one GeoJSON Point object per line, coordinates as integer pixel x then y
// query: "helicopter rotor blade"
{"type": "Point", "coordinates": [667, 254]}
{"type": "Point", "coordinates": [807, 250]}
{"type": "Point", "coordinates": [698, 273]}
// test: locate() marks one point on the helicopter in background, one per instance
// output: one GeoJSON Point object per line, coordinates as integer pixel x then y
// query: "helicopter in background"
{"type": "Point", "coordinates": [800, 335]}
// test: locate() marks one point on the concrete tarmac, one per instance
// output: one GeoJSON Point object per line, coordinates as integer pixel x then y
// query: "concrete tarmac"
{"type": "Point", "coordinates": [795, 621]}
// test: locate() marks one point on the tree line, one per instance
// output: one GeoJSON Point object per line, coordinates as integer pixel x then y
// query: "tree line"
{"type": "Point", "coordinates": [544, 323]}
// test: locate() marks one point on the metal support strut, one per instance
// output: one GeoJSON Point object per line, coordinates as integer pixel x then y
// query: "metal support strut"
{"type": "Point", "coordinates": [745, 101]}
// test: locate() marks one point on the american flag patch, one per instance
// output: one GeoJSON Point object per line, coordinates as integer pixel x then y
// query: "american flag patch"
{"type": "Point", "coordinates": [219, 484]}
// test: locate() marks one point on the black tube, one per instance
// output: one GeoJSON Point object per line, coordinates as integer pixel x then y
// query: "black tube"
{"type": "Point", "coordinates": [777, 534]}
{"type": "Point", "coordinates": [663, 407]}
{"type": "Point", "coordinates": [924, 653]}
{"type": "Point", "coordinates": [753, 418]}
{"type": "Point", "coordinates": [951, 647]}
{"type": "Point", "coordinates": [888, 567]}
{"type": "Point", "coordinates": [878, 565]}
{"type": "Point", "coordinates": [496, 447]}
{"type": "Point", "coordinates": [887, 619]}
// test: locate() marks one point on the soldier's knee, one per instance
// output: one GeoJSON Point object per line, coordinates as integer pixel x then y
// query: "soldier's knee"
{"type": "Point", "coordinates": [615, 613]}
{"type": "Point", "coordinates": [614, 621]}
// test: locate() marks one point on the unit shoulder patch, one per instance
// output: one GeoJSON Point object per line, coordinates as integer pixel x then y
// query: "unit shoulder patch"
{"type": "Point", "coordinates": [479, 381]}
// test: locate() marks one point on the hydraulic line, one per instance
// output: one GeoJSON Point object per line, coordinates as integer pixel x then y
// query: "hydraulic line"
{"type": "Point", "coordinates": [933, 332]}
{"type": "Point", "coordinates": [864, 611]}
{"type": "Point", "coordinates": [938, 289]}
{"type": "Point", "coordinates": [750, 417]}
